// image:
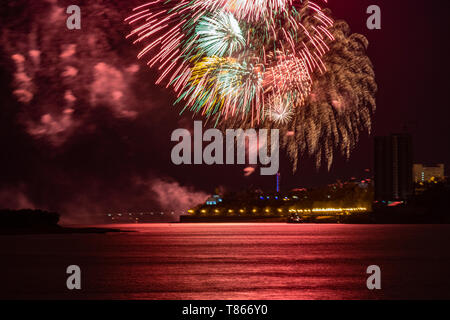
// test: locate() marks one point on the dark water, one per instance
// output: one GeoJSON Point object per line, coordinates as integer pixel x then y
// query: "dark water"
{"type": "Point", "coordinates": [232, 261]}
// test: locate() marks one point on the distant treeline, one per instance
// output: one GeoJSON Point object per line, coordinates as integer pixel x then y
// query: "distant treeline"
{"type": "Point", "coordinates": [27, 218]}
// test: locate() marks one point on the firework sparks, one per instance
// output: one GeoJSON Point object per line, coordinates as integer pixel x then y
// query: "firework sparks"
{"type": "Point", "coordinates": [219, 35]}
{"type": "Point", "coordinates": [279, 110]}
{"type": "Point", "coordinates": [265, 63]}
{"type": "Point", "coordinates": [217, 54]}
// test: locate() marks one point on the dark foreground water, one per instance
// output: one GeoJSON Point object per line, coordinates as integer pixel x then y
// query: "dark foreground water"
{"type": "Point", "coordinates": [231, 261]}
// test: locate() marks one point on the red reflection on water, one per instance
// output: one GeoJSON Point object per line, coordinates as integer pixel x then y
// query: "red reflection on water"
{"type": "Point", "coordinates": [233, 261]}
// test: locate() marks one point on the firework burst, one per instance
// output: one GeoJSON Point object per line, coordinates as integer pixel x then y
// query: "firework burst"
{"type": "Point", "coordinates": [338, 108]}
{"type": "Point", "coordinates": [219, 35]}
{"type": "Point", "coordinates": [263, 63]}
{"type": "Point", "coordinates": [279, 110]}
{"type": "Point", "coordinates": [228, 49]}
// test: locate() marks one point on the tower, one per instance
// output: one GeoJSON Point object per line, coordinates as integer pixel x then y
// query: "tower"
{"type": "Point", "coordinates": [278, 182]}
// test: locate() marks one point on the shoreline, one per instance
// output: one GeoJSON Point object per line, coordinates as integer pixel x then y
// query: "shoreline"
{"type": "Point", "coordinates": [355, 219]}
{"type": "Point", "coordinates": [58, 230]}
{"type": "Point", "coordinates": [103, 229]}
{"type": "Point", "coordinates": [222, 219]}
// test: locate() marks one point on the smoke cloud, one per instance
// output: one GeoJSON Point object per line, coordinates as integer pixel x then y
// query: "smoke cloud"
{"type": "Point", "coordinates": [84, 130]}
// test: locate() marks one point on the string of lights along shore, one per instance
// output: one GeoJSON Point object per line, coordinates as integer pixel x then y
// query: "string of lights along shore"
{"type": "Point", "coordinates": [276, 64]}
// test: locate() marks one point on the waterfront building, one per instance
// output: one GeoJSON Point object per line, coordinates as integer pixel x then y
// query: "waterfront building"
{"type": "Point", "coordinates": [393, 167]}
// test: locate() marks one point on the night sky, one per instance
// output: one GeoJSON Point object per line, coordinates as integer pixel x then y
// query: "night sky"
{"type": "Point", "coordinates": [83, 129]}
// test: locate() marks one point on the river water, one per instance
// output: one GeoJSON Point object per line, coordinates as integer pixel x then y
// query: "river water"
{"type": "Point", "coordinates": [231, 261]}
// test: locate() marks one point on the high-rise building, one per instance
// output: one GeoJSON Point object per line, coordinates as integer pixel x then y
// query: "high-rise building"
{"type": "Point", "coordinates": [393, 167]}
{"type": "Point", "coordinates": [423, 173]}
